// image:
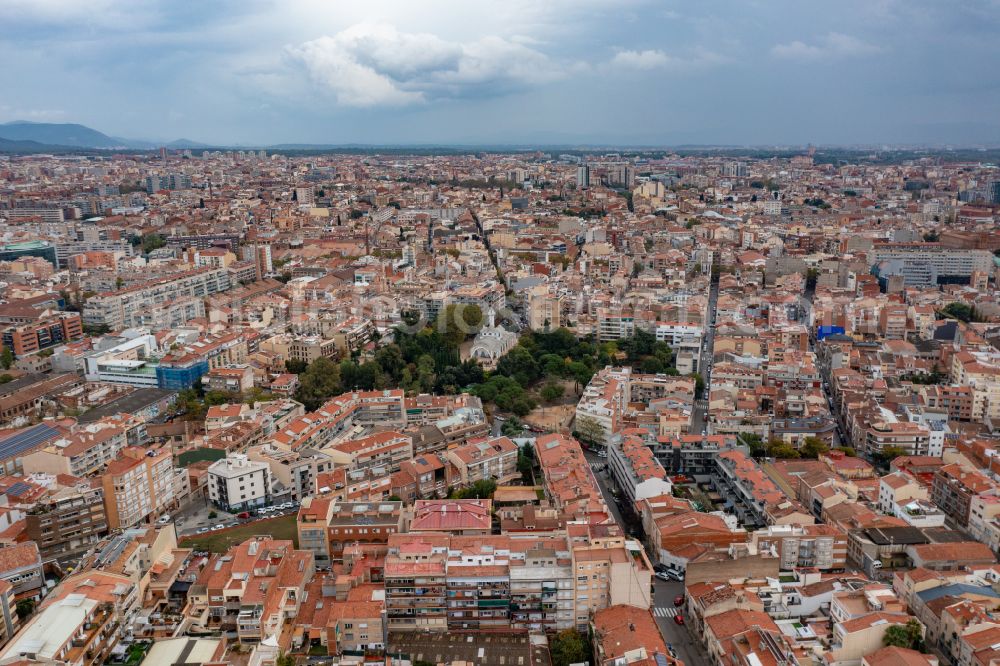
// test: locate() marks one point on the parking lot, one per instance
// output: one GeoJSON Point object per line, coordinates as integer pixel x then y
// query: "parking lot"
{"type": "Point", "coordinates": [198, 519]}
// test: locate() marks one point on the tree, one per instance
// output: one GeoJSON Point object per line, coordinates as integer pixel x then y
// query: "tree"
{"type": "Point", "coordinates": [847, 451]}
{"type": "Point", "coordinates": [778, 448]}
{"type": "Point", "coordinates": [813, 447]}
{"type": "Point", "coordinates": [699, 383]}
{"type": "Point", "coordinates": [6, 358]}
{"type": "Point", "coordinates": [284, 660]}
{"type": "Point", "coordinates": [482, 489]}
{"type": "Point", "coordinates": [909, 635]}
{"type": "Point", "coordinates": [890, 453]}
{"type": "Point", "coordinates": [457, 322]}
{"type": "Point", "coordinates": [318, 383]}
{"type": "Point", "coordinates": [589, 430]}
{"type": "Point", "coordinates": [24, 608]}
{"type": "Point", "coordinates": [552, 392]}
{"type": "Point", "coordinates": [961, 311]}
{"type": "Point", "coordinates": [526, 463]}
{"type": "Point", "coordinates": [296, 366]}
{"type": "Point", "coordinates": [152, 242]}
{"type": "Point", "coordinates": [512, 427]}
{"type": "Point", "coordinates": [754, 443]}
{"type": "Point", "coordinates": [568, 647]}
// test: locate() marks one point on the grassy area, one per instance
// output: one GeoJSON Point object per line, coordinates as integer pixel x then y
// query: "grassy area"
{"type": "Point", "coordinates": [197, 455]}
{"type": "Point", "coordinates": [282, 527]}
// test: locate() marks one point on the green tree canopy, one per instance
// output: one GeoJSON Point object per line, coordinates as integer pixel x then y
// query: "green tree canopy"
{"type": "Point", "coordinates": [909, 635]}
{"type": "Point", "coordinates": [569, 647]}
{"type": "Point", "coordinates": [318, 383]}
{"type": "Point", "coordinates": [813, 447]}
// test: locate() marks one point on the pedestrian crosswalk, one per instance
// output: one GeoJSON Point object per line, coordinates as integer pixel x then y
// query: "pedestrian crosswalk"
{"type": "Point", "coordinates": [665, 612]}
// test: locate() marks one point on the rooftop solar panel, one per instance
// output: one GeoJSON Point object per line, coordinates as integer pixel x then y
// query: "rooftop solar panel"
{"type": "Point", "coordinates": [18, 488]}
{"type": "Point", "coordinates": [25, 440]}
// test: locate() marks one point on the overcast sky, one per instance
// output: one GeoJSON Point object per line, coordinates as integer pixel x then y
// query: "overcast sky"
{"type": "Point", "coordinates": [739, 72]}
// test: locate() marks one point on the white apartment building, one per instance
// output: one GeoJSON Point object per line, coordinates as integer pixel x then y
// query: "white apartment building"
{"type": "Point", "coordinates": [172, 298]}
{"type": "Point", "coordinates": [237, 483]}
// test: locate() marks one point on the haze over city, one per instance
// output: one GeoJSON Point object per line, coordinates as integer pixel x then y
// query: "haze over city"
{"type": "Point", "coordinates": [633, 72]}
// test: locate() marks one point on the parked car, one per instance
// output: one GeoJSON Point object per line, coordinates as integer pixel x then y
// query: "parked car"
{"type": "Point", "coordinates": [202, 530]}
{"type": "Point", "coordinates": [659, 567]}
{"type": "Point", "coordinates": [679, 600]}
{"type": "Point", "coordinates": [679, 619]}
{"type": "Point", "coordinates": [663, 575]}
{"type": "Point", "coordinates": [220, 526]}
{"type": "Point", "coordinates": [243, 515]}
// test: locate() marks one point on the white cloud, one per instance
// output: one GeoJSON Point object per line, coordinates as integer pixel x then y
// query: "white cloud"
{"type": "Point", "coordinates": [649, 59]}
{"type": "Point", "coordinates": [655, 59]}
{"type": "Point", "coordinates": [833, 45]}
{"type": "Point", "coordinates": [377, 65]}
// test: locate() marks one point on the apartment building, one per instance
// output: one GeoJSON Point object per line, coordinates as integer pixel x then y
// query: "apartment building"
{"type": "Point", "coordinates": [170, 300]}
{"type": "Point", "coordinates": [141, 485]}
{"type": "Point", "coordinates": [327, 526]}
{"type": "Point", "coordinates": [492, 459]}
{"type": "Point", "coordinates": [953, 489]}
{"type": "Point", "coordinates": [237, 483]}
{"type": "Point", "coordinates": [80, 622]}
{"type": "Point", "coordinates": [610, 571]}
{"type": "Point", "coordinates": [82, 453]}
{"type": "Point", "coordinates": [52, 330]}
{"type": "Point", "coordinates": [68, 521]}
{"type": "Point", "coordinates": [636, 470]}
{"type": "Point", "coordinates": [254, 589]}
{"type": "Point", "coordinates": [384, 450]}
{"type": "Point", "coordinates": [822, 547]}
{"type": "Point", "coordinates": [294, 471]}
{"type": "Point", "coordinates": [927, 264]}
{"type": "Point", "coordinates": [439, 583]}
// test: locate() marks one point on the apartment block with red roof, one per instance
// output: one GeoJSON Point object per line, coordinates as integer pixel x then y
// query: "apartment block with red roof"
{"type": "Point", "coordinates": [624, 635]}
{"type": "Point", "coordinates": [481, 460]}
{"type": "Point", "coordinates": [255, 589]}
{"type": "Point", "coordinates": [953, 490]}
{"type": "Point", "coordinates": [327, 526]}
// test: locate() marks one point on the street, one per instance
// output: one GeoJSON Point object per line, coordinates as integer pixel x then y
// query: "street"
{"type": "Point", "coordinates": [699, 419]}
{"type": "Point", "coordinates": [664, 592]}
{"type": "Point", "coordinates": [689, 650]}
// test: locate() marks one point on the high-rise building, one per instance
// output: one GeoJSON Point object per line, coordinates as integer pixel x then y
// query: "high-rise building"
{"type": "Point", "coordinates": [993, 192]}
{"type": "Point", "coordinates": [735, 170]}
{"type": "Point", "coordinates": [583, 176]}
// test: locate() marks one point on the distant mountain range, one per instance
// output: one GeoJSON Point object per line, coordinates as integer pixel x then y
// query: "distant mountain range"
{"type": "Point", "coordinates": [21, 135]}
{"type": "Point", "coordinates": [25, 137]}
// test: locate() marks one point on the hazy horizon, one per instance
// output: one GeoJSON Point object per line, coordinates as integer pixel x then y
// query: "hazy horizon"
{"type": "Point", "coordinates": [517, 73]}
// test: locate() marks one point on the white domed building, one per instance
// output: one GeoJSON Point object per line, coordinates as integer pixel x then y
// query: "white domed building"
{"type": "Point", "coordinates": [492, 342]}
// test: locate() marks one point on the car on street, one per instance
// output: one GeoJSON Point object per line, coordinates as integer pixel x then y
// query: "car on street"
{"type": "Point", "coordinates": [679, 619]}
{"type": "Point", "coordinates": [663, 575]}
{"type": "Point", "coordinates": [220, 526]}
{"type": "Point", "coordinates": [202, 530]}
{"type": "Point", "coordinates": [679, 600]}
{"type": "Point", "coordinates": [243, 515]}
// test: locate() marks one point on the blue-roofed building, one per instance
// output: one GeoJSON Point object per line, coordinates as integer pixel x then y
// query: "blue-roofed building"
{"type": "Point", "coordinates": [958, 590]}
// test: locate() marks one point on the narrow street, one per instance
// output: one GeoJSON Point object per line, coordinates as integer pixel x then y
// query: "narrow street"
{"type": "Point", "coordinates": [676, 636]}
{"type": "Point", "coordinates": [699, 419]}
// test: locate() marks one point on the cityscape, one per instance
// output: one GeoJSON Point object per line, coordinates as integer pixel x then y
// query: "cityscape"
{"type": "Point", "coordinates": [425, 379]}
